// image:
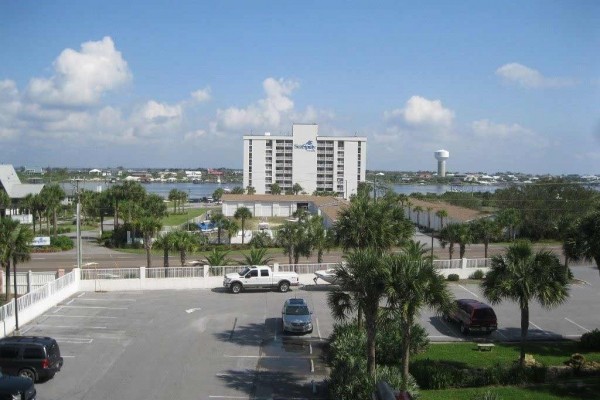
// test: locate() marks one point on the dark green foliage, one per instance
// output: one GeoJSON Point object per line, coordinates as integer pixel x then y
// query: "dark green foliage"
{"type": "Point", "coordinates": [62, 242]}
{"type": "Point", "coordinates": [543, 204]}
{"type": "Point", "coordinates": [453, 277]}
{"type": "Point", "coordinates": [389, 341]}
{"type": "Point", "coordinates": [347, 358]}
{"type": "Point", "coordinates": [478, 274]}
{"type": "Point", "coordinates": [590, 340]}
{"type": "Point", "coordinates": [261, 240]}
{"type": "Point", "coordinates": [434, 374]}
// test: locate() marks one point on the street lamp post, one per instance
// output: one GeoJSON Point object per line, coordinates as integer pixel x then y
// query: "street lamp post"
{"type": "Point", "coordinates": [375, 185]}
{"type": "Point", "coordinates": [78, 224]}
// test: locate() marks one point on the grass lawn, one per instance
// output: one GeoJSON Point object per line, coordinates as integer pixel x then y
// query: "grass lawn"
{"type": "Point", "coordinates": [547, 353]}
{"type": "Point", "coordinates": [179, 219]}
{"type": "Point", "coordinates": [575, 389]}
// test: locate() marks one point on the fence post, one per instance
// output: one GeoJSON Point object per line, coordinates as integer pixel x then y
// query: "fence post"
{"type": "Point", "coordinates": [29, 279]}
{"type": "Point", "coordinates": [142, 272]}
{"type": "Point", "coordinates": [463, 263]}
{"type": "Point", "coordinates": [275, 268]}
{"type": "Point", "coordinates": [206, 269]}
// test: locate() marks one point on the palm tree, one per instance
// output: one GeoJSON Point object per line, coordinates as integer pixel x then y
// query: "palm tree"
{"type": "Point", "coordinates": [237, 190]}
{"type": "Point", "coordinates": [520, 275]}
{"type": "Point", "coordinates": [289, 236]}
{"type": "Point", "coordinates": [441, 214]}
{"type": "Point", "coordinates": [217, 257]}
{"type": "Point", "coordinates": [275, 189]}
{"type": "Point", "coordinates": [415, 249]}
{"type": "Point", "coordinates": [297, 188]}
{"type": "Point", "coordinates": [429, 210]}
{"type": "Point", "coordinates": [584, 241]}
{"type": "Point", "coordinates": [149, 226]}
{"type": "Point", "coordinates": [173, 197]}
{"type": "Point", "coordinates": [449, 235]}
{"type": "Point", "coordinates": [250, 190]}
{"type": "Point", "coordinates": [257, 256]}
{"type": "Point", "coordinates": [418, 210]}
{"type": "Point", "coordinates": [218, 219]}
{"type": "Point", "coordinates": [243, 213]}
{"type": "Point", "coordinates": [464, 237]}
{"type": "Point", "coordinates": [319, 237]}
{"type": "Point", "coordinates": [510, 218]}
{"type": "Point", "coordinates": [368, 224]}
{"type": "Point", "coordinates": [166, 242]}
{"type": "Point", "coordinates": [15, 247]}
{"type": "Point", "coordinates": [361, 287]}
{"type": "Point", "coordinates": [484, 231]}
{"type": "Point", "coordinates": [231, 227]}
{"type": "Point", "coordinates": [185, 242]}
{"type": "Point", "coordinates": [4, 203]}
{"type": "Point", "coordinates": [413, 283]}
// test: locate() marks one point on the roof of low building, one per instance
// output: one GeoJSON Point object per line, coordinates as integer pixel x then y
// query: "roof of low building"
{"type": "Point", "coordinates": [12, 184]}
{"type": "Point", "coordinates": [329, 205]}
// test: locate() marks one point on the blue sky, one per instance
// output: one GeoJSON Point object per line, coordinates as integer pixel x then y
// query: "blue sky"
{"type": "Point", "coordinates": [503, 86]}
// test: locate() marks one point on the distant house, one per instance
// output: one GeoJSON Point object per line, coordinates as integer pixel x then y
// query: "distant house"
{"type": "Point", "coordinates": [94, 171]}
{"type": "Point", "coordinates": [34, 171]}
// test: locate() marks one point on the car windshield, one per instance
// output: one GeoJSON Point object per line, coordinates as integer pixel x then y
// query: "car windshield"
{"type": "Point", "coordinates": [297, 310]}
{"type": "Point", "coordinates": [244, 271]}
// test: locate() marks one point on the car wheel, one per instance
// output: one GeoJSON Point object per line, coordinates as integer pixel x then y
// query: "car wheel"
{"type": "Point", "coordinates": [236, 288]}
{"type": "Point", "coordinates": [27, 373]}
{"type": "Point", "coordinates": [284, 287]}
{"type": "Point", "coordinates": [463, 329]}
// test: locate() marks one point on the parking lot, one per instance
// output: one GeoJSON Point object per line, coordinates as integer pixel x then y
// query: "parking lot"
{"type": "Point", "coordinates": [210, 344]}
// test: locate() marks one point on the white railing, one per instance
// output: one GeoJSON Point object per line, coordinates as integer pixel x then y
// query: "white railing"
{"type": "Point", "coordinates": [175, 272]}
{"type": "Point", "coordinates": [110, 273]}
{"type": "Point", "coordinates": [46, 291]}
{"type": "Point", "coordinates": [447, 264]}
{"type": "Point", "coordinates": [478, 262]}
{"type": "Point", "coordinates": [29, 280]}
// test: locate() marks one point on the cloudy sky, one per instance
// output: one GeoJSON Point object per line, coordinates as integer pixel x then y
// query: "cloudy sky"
{"type": "Point", "coordinates": [502, 85]}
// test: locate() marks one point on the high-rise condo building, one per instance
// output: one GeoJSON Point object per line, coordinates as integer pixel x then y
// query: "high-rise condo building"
{"type": "Point", "coordinates": [334, 164]}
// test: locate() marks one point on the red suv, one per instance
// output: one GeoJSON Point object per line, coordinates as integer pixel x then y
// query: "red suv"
{"type": "Point", "coordinates": [473, 316]}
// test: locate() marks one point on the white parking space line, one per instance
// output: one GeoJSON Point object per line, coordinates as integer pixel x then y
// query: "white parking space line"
{"type": "Point", "coordinates": [97, 307]}
{"type": "Point", "coordinates": [90, 299]}
{"type": "Point", "coordinates": [576, 324]}
{"type": "Point", "coordinates": [69, 326]}
{"type": "Point", "coordinates": [74, 340]}
{"type": "Point", "coordinates": [318, 329]}
{"type": "Point", "coordinates": [81, 294]}
{"type": "Point", "coordinates": [80, 316]}
{"type": "Point", "coordinates": [467, 290]}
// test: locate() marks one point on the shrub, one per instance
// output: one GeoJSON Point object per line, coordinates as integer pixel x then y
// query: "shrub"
{"type": "Point", "coordinates": [61, 242]}
{"type": "Point", "coordinates": [453, 277]}
{"type": "Point", "coordinates": [590, 341]}
{"type": "Point", "coordinates": [478, 274]}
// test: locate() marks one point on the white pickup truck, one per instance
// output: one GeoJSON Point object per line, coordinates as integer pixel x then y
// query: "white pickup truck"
{"type": "Point", "coordinates": [260, 276]}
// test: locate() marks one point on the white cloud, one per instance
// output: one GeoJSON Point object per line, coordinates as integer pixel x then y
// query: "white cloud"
{"type": "Point", "coordinates": [266, 113]}
{"type": "Point", "coordinates": [194, 135]}
{"type": "Point", "coordinates": [529, 77]}
{"type": "Point", "coordinates": [486, 129]}
{"type": "Point", "coordinates": [10, 105]}
{"type": "Point", "coordinates": [201, 95]}
{"type": "Point", "coordinates": [420, 111]}
{"type": "Point", "coordinates": [81, 78]}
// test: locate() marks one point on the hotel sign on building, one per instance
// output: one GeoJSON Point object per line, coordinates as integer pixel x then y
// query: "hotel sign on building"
{"type": "Point", "coordinates": [332, 164]}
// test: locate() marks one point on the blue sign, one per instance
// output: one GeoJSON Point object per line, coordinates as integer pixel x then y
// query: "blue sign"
{"type": "Point", "coordinates": [308, 146]}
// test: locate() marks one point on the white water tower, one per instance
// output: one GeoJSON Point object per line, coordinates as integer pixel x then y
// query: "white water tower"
{"type": "Point", "coordinates": [442, 156]}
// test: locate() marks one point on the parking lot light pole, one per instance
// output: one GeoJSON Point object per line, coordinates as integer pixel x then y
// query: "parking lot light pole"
{"type": "Point", "coordinates": [375, 185]}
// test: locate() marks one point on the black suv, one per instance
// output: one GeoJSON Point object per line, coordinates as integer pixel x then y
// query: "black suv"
{"type": "Point", "coordinates": [16, 387]}
{"type": "Point", "coordinates": [473, 316]}
{"type": "Point", "coordinates": [34, 357]}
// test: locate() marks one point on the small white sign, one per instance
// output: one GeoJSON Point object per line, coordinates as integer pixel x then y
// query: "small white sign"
{"type": "Point", "coordinates": [41, 241]}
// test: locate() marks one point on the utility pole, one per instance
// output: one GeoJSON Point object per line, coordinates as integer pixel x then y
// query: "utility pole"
{"type": "Point", "coordinates": [78, 223]}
